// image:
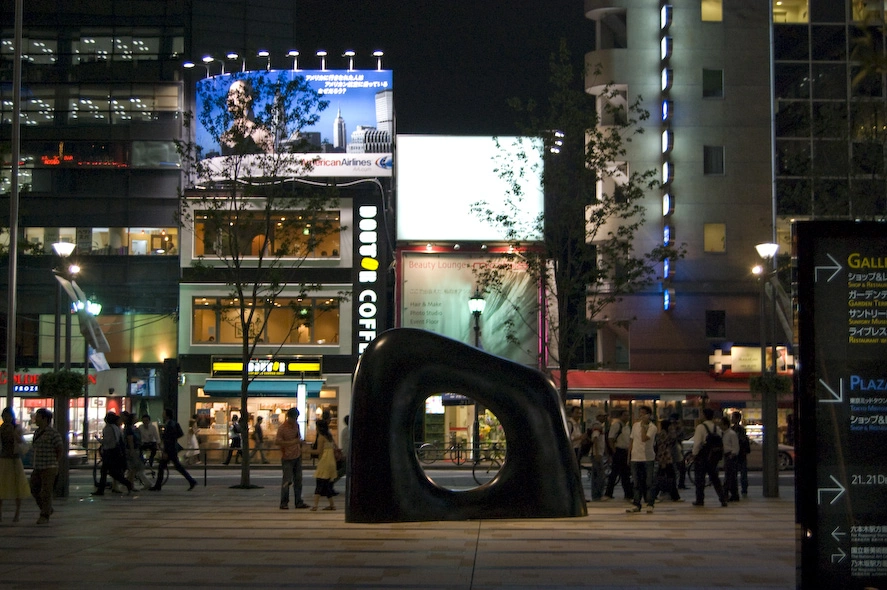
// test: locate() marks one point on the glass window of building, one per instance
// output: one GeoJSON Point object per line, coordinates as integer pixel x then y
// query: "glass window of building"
{"type": "Point", "coordinates": [792, 118]}
{"type": "Point", "coordinates": [792, 11]}
{"type": "Point", "coordinates": [713, 159]}
{"type": "Point", "coordinates": [715, 323]}
{"type": "Point", "coordinates": [293, 321]}
{"type": "Point", "coordinates": [712, 83]}
{"type": "Point", "coordinates": [714, 237]}
{"type": "Point", "coordinates": [115, 241]}
{"type": "Point", "coordinates": [295, 234]}
{"type": "Point", "coordinates": [792, 81]}
{"type": "Point", "coordinates": [831, 42]}
{"type": "Point", "coordinates": [712, 10]}
{"type": "Point", "coordinates": [792, 157]}
{"type": "Point", "coordinates": [791, 43]}
{"type": "Point", "coordinates": [829, 81]}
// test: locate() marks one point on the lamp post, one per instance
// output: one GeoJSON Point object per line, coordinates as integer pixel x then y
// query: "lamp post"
{"type": "Point", "coordinates": [62, 418]}
{"type": "Point", "coordinates": [769, 411]}
{"type": "Point", "coordinates": [476, 305]}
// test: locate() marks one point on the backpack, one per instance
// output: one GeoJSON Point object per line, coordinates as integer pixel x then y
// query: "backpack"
{"type": "Point", "coordinates": [744, 442]}
{"type": "Point", "coordinates": [178, 431]}
{"type": "Point", "coordinates": [712, 450]}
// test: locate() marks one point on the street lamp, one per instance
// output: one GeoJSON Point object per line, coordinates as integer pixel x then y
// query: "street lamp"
{"type": "Point", "coordinates": [769, 411]}
{"type": "Point", "coordinates": [476, 305]}
{"type": "Point", "coordinates": [63, 250]}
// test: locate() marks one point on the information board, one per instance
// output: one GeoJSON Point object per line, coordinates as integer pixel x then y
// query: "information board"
{"type": "Point", "coordinates": [841, 276]}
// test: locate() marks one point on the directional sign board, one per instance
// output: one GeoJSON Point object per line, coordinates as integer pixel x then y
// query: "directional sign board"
{"type": "Point", "coordinates": [841, 274]}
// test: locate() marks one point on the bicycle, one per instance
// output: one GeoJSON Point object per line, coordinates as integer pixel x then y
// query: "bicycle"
{"type": "Point", "coordinates": [487, 463]}
{"type": "Point", "coordinates": [428, 453]}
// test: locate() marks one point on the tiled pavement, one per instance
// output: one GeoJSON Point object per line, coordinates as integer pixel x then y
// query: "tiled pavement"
{"type": "Point", "coordinates": [220, 537]}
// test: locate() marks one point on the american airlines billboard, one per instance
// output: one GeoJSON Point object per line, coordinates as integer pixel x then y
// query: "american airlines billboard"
{"type": "Point", "coordinates": [351, 137]}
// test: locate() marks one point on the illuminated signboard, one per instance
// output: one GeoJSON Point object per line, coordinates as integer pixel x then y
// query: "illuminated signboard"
{"type": "Point", "coordinates": [841, 470]}
{"type": "Point", "coordinates": [352, 137]}
{"type": "Point", "coordinates": [440, 177]}
{"type": "Point", "coordinates": [268, 367]}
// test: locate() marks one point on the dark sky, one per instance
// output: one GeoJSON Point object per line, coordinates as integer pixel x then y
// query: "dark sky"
{"type": "Point", "coordinates": [455, 62]}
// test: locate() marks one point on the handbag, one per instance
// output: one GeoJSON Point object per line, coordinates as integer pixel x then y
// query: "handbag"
{"type": "Point", "coordinates": [338, 455]}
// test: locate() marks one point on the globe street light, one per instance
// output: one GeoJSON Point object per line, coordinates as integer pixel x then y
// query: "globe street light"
{"type": "Point", "coordinates": [769, 410]}
{"type": "Point", "coordinates": [476, 305]}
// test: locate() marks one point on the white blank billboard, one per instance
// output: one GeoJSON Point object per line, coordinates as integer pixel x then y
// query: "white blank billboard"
{"type": "Point", "coordinates": [439, 177]}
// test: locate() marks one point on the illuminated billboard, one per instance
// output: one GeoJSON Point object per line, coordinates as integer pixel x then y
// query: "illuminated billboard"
{"type": "Point", "coordinates": [440, 177]}
{"type": "Point", "coordinates": [435, 292]}
{"type": "Point", "coordinates": [352, 136]}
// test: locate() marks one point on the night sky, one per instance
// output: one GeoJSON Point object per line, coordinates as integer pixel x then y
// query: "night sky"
{"type": "Point", "coordinates": [455, 62]}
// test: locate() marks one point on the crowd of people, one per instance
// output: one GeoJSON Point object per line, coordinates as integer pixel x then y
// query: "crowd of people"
{"type": "Point", "coordinates": [647, 459]}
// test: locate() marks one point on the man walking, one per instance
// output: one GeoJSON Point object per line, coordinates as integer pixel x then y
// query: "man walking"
{"type": "Point", "coordinates": [113, 455]}
{"type": "Point", "coordinates": [150, 438]}
{"type": "Point", "coordinates": [172, 432]}
{"type": "Point", "coordinates": [598, 448]}
{"type": "Point", "coordinates": [744, 450]}
{"type": "Point", "coordinates": [618, 441]}
{"type": "Point", "coordinates": [259, 439]}
{"type": "Point", "coordinates": [289, 439]}
{"type": "Point", "coordinates": [47, 447]}
{"type": "Point", "coordinates": [642, 455]}
{"type": "Point", "coordinates": [706, 465]}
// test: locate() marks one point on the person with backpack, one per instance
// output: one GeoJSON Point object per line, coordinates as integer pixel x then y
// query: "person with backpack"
{"type": "Point", "coordinates": [618, 441]}
{"type": "Point", "coordinates": [744, 450]}
{"type": "Point", "coordinates": [172, 432]}
{"type": "Point", "coordinates": [708, 450]}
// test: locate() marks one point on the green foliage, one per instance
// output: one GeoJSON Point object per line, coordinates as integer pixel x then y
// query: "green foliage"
{"type": "Point", "coordinates": [62, 383]}
{"type": "Point", "coordinates": [587, 259]}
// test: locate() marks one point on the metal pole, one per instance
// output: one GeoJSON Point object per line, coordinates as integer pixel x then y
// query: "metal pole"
{"type": "Point", "coordinates": [769, 413]}
{"type": "Point", "coordinates": [15, 140]}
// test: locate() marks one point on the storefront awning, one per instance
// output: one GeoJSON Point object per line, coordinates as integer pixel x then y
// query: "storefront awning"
{"type": "Point", "coordinates": [647, 384]}
{"type": "Point", "coordinates": [263, 387]}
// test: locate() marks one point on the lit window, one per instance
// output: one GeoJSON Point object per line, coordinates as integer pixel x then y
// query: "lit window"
{"type": "Point", "coordinates": [712, 10]}
{"type": "Point", "coordinates": [715, 237]}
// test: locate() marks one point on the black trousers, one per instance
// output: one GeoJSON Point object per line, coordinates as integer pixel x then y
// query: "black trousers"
{"type": "Point", "coordinates": [619, 468]}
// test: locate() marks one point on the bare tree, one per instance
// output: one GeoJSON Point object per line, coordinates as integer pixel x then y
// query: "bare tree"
{"type": "Point", "coordinates": [254, 217]}
{"type": "Point", "coordinates": [584, 254]}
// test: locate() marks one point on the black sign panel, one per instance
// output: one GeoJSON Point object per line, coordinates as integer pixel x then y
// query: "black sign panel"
{"type": "Point", "coordinates": [842, 404]}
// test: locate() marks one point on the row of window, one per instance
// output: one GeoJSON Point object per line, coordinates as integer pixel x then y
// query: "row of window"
{"type": "Point", "coordinates": [89, 105]}
{"type": "Point", "coordinates": [301, 320]}
{"type": "Point", "coordinates": [100, 45]}
{"type": "Point", "coordinates": [95, 154]}
{"type": "Point", "coordinates": [294, 234]}
{"type": "Point", "coordinates": [97, 241]}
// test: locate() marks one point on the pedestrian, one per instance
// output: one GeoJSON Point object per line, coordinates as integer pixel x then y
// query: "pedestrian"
{"type": "Point", "coordinates": [618, 440]}
{"type": "Point", "coordinates": [236, 441]}
{"type": "Point", "coordinates": [744, 450]}
{"type": "Point", "coordinates": [665, 480]}
{"type": "Point", "coordinates": [598, 448]}
{"type": "Point", "coordinates": [642, 457]}
{"type": "Point", "coordinates": [731, 458]}
{"type": "Point", "coordinates": [172, 432]}
{"type": "Point", "coordinates": [325, 472]}
{"type": "Point", "coordinates": [135, 462]}
{"type": "Point", "coordinates": [706, 465]}
{"type": "Point", "coordinates": [150, 438]}
{"type": "Point", "coordinates": [289, 439]}
{"type": "Point", "coordinates": [192, 453]}
{"type": "Point", "coordinates": [345, 438]}
{"type": "Point", "coordinates": [677, 453]}
{"type": "Point", "coordinates": [575, 430]}
{"type": "Point", "coordinates": [259, 438]}
{"type": "Point", "coordinates": [13, 481]}
{"type": "Point", "coordinates": [47, 448]}
{"type": "Point", "coordinates": [113, 451]}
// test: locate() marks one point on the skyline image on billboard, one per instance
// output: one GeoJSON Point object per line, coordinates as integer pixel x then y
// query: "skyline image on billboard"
{"type": "Point", "coordinates": [353, 135]}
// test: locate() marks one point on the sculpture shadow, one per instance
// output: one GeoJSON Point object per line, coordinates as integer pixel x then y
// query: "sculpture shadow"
{"type": "Point", "coordinates": [386, 483]}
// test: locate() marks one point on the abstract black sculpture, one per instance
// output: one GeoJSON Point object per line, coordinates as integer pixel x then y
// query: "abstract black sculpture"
{"type": "Point", "coordinates": [397, 372]}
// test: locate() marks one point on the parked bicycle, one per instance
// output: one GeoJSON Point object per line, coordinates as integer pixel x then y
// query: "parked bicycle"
{"type": "Point", "coordinates": [487, 462]}
{"type": "Point", "coordinates": [428, 453]}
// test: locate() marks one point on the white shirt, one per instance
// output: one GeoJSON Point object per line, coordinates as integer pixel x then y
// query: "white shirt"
{"type": "Point", "coordinates": [149, 432]}
{"type": "Point", "coordinates": [700, 434]}
{"type": "Point", "coordinates": [731, 442]}
{"type": "Point", "coordinates": [642, 451]}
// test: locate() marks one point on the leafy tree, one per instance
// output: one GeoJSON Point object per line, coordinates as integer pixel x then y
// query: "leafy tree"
{"type": "Point", "coordinates": [254, 218]}
{"type": "Point", "coordinates": [587, 257]}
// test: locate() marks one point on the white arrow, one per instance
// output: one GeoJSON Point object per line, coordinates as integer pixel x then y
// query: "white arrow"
{"type": "Point", "coordinates": [836, 268]}
{"type": "Point", "coordinates": [840, 556]}
{"type": "Point", "coordinates": [840, 489]}
{"type": "Point", "coordinates": [836, 534]}
{"type": "Point", "coordinates": [838, 397]}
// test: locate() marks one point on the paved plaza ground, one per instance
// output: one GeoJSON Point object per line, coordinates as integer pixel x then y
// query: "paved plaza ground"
{"type": "Point", "coordinates": [218, 537]}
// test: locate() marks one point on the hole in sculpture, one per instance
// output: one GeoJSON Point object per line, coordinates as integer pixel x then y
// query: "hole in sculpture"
{"type": "Point", "coordinates": [460, 444]}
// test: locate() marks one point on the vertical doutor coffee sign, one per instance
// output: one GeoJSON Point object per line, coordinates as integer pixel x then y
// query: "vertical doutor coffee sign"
{"type": "Point", "coordinates": [841, 477]}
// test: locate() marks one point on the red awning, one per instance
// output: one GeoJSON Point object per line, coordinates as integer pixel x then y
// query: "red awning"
{"type": "Point", "coordinates": [642, 383]}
